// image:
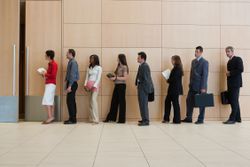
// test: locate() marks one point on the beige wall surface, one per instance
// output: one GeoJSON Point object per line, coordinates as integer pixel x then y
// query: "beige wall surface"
{"type": "Point", "coordinates": [161, 28]}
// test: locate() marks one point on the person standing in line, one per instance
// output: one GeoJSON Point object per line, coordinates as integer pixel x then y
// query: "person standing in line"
{"type": "Point", "coordinates": [197, 85]}
{"type": "Point", "coordinates": [145, 86]}
{"type": "Point", "coordinates": [175, 89]}
{"type": "Point", "coordinates": [92, 84]}
{"type": "Point", "coordinates": [119, 93]}
{"type": "Point", "coordinates": [72, 76]}
{"type": "Point", "coordinates": [235, 69]}
{"type": "Point", "coordinates": [50, 86]}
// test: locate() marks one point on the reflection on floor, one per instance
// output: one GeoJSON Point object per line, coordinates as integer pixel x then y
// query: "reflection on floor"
{"type": "Point", "coordinates": [114, 145]}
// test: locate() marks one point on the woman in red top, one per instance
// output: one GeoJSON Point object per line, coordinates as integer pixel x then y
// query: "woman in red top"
{"type": "Point", "coordinates": [50, 86]}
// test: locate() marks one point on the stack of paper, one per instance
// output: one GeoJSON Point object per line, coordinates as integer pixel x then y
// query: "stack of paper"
{"type": "Point", "coordinates": [166, 74]}
{"type": "Point", "coordinates": [41, 70]}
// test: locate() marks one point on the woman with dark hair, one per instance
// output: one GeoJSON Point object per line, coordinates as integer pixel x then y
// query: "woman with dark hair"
{"type": "Point", "coordinates": [50, 85]}
{"type": "Point", "coordinates": [174, 90]}
{"type": "Point", "coordinates": [91, 85]}
{"type": "Point", "coordinates": [119, 93]}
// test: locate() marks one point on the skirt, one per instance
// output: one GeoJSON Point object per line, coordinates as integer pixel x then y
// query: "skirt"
{"type": "Point", "coordinates": [49, 95]}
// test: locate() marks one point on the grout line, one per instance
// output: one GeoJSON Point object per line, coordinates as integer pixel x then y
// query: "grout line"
{"type": "Point", "coordinates": [181, 145]}
{"type": "Point", "coordinates": [219, 144]}
{"type": "Point", "coordinates": [98, 146]}
{"type": "Point", "coordinates": [25, 141]}
{"type": "Point", "coordinates": [40, 162]}
{"type": "Point", "coordinates": [137, 141]}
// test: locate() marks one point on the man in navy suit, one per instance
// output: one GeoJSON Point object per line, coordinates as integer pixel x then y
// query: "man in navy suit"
{"type": "Point", "coordinates": [197, 85]}
{"type": "Point", "coordinates": [234, 83]}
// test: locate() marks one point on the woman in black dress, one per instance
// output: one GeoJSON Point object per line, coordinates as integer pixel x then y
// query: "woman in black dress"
{"type": "Point", "coordinates": [175, 89]}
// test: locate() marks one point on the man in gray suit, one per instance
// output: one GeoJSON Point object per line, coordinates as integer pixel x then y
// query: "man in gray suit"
{"type": "Point", "coordinates": [197, 85]}
{"type": "Point", "coordinates": [145, 86]}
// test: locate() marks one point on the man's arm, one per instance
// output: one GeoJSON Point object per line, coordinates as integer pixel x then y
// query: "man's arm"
{"type": "Point", "coordinates": [204, 77]}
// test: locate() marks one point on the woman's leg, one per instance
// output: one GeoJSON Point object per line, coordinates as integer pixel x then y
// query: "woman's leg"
{"type": "Point", "coordinates": [167, 108]}
{"type": "Point", "coordinates": [114, 106]}
{"type": "Point", "coordinates": [94, 106]}
{"type": "Point", "coordinates": [176, 105]}
{"type": "Point", "coordinates": [122, 103]}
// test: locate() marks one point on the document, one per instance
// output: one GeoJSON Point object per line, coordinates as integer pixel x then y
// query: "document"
{"type": "Point", "coordinates": [166, 74]}
{"type": "Point", "coordinates": [41, 70]}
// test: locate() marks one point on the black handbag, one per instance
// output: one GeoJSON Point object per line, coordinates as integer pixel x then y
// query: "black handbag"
{"type": "Point", "coordinates": [224, 98]}
{"type": "Point", "coordinates": [204, 100]}
{"type": "Point", "coordinates": [151, 96]}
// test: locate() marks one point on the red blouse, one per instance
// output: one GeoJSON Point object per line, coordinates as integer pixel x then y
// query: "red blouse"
{"type": "Point", "coordinates": [50, 76]}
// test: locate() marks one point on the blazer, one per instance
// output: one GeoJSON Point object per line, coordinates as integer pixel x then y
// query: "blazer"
{"type": "Point", "coordinates": [199, 75]}
{"type": "Point", "coordinates": [143, 79]}
{"type": "Point", "coordinates": [235, 67]}
{"type": "Point", "coordinates": [175, 82]}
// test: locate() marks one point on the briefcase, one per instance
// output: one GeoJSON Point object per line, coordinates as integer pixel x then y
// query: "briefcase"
{"type": "Point", "coordinates": [151, 96]}
{"type": "Point", "coordinates": [204, 100]}
{"type": "Point", "coordinates": [224, 98]}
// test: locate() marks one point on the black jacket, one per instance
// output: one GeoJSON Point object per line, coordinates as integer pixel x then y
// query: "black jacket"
{"type": "Point", "coordinates": [175, 82]}
{"type": "Point", "coordinates": [235, 67]}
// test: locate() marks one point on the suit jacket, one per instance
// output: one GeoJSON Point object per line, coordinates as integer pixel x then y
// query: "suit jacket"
{"type": "Point", "coordinates": [175, 82]}
{"type": "Point", "coordinates": [143, 78]}
{"type": "Point", "coordinates": [199, 75]}
{"type": "Point", "coordinates": [235, 67]}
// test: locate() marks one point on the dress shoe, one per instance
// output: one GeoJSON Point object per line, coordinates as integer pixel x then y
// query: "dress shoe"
{"type": "Point", "coordinates": [239, 121]}
{"type": "Point", "coordinates": [187, 120]}
{"type": "Point", "coordinates": [106, 121]}
{"type": "Point", "coordinates": [177, 122]}
{"type": "Point", "coordinates": [143, 124]}
{"type": "Point", "coordinates": [229, 122]}
{"type": "Point", "coordinates": [140, 121]}
{"type": "Point", "coordinates": [69, 122]}
{"type": "Point", "coordinates": [121, 122]}
{"type": "Point", "coordinates": [199, 122]}
{"type": "Point", "coordinates": [165, 122]}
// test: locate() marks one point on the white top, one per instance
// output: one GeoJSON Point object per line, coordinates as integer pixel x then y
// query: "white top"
{"type": "Point", "coordinates": [94, 74]}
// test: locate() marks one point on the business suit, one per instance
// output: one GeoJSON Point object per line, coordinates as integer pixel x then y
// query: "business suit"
{"type": "Point", "coordinates": [198, 81]}
{"type": "Point", "coordinates": [174, 90]}
{"type": "Point", "coordinates": [145, 86]}
{"type": "Point", "coordinates": [234, 82]}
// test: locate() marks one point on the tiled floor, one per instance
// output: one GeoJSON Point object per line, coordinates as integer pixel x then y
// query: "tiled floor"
{"type": "Point", "coordinates": [111, 145]}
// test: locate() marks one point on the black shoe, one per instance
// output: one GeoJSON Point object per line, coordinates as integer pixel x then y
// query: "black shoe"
{"type": "Point", "coordinates": [69, 122]}
{"type": "Point", "coordinates": [176, 122]}
{"type": "Point", "coordinates": [143, 124]}
{"type": "Point", "coordinates": [165, 122]}
{"type": "Point", "coordinates": [121, 122]}
{"type": "Point", "coordinates": [140, 121]}
{"type": "Point", "coordinates": [186, 120]}
{"type": "Point", "coordinates": [239, 121]}
{"type": "Point", "coordinates": [199, 122]}
{"type": "Point", "coordinates": [229, 122]}
{"type": "Point", "coordinates": [106, 121]}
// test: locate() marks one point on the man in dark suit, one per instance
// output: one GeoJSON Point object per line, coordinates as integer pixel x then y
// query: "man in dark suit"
{"type": "Point", "coordinates": [197, 85]}
{"type": "Point", "coordinates": [145, 86]}
{"type": "Point", "coordinates": [234, 82]}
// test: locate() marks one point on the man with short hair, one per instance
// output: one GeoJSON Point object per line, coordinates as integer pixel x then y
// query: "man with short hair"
{"type": "Point", "coordinates": [72, 76]}
{"type": "Point", "coordinates": [197, 85]}
{"type": "Point", "coordinates": [145, 86]}
{"type": "Point", "coordinates": [235, 69]}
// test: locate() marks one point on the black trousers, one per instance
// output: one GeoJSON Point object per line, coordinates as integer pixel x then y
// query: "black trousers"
{"type": "Point", "coordinates": [118, 100]}
{"type": "Point", "coordinates": [71, 102]}
{"type": "Point", "coordinates": [175, 100]}
{"type": "Point", "coordinates": [190, 107]}
{"type": "Point", "coordinates": [234, 102]}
